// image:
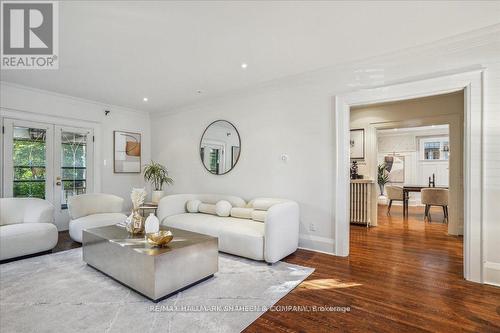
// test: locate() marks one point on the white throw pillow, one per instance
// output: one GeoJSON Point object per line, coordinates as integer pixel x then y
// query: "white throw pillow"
{"type": "Point", "coordinates": [192, 206]}
{"type": "Point", "coordinates": [242, 213]}
{"type": "Point", "coordinates": [207, 209]}
{"type": "Point", "coordinates": [223, 208]}
{"type": "Point", "coordinates": [259, 215]}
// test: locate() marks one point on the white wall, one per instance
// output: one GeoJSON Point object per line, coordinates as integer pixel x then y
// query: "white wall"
{"type": "Point", "coordinates": [37, 105]}
{"type": "Point", "coordinates": [293, 116]}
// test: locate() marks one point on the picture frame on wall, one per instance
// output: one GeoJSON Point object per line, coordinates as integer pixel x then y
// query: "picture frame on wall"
{"type": "Point", "coordinates": [126, 152]}
{"type": "Point", "coordinates": [357, 144]}
{"type": "Point", "coordinates": [395, 166]}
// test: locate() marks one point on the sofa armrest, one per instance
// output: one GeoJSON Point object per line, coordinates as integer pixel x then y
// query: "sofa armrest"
{"type": "Point", "coordinates": [173, 205]}
{"type": "Point", "coordinates": [281, 231]}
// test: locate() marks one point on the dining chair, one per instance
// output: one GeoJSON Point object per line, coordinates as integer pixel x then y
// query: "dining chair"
{"type": "Point", "coordinates": [394, 193]}
{"type": "Point", "coordinates": [435, 197]}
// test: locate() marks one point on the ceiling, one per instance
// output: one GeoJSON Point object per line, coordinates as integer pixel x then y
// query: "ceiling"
{"type": "Point", "coordinates": [120, 52]}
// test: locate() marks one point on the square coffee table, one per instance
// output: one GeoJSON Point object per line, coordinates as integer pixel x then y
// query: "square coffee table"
{"type": "Point", "coordinates": [155, 273]}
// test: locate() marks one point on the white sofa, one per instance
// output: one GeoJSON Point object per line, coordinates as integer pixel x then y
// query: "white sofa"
{"type": "Point", "coordinates": [26, 227]}
{"type": "Point", "coordinates": [269, 240]}
{"type": "Point", "coordinates": [93, 210]}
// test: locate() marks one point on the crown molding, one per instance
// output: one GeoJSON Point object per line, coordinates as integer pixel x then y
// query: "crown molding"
{"type": "Point", "coordinates": [112, 107]}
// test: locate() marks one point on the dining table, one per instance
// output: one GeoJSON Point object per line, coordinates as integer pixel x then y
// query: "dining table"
{"type": "Point", "coordinates": [413, 188]}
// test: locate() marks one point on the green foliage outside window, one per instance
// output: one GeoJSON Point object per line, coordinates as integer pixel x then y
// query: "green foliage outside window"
{"type": "Point", "coordinates": [29, 168]}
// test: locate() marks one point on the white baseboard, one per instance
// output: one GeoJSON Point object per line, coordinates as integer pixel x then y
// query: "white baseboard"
{"type": "Point", "coordinates": [491, 273]}
{"type": "Point", "coordinates": [317, 243]}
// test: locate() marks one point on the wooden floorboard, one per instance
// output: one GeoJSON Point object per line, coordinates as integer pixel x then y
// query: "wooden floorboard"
{"type": "Point", "coordinates": [401, 276]}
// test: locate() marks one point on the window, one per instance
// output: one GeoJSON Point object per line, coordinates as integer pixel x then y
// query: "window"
{"type": "Point", "coordinates": [29, 157]}
{"type": "Point", "coordinates": [435, 148]}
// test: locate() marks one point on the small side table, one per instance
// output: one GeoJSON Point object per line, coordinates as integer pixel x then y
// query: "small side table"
{"type": "Point", "coordinates": [148, 206]}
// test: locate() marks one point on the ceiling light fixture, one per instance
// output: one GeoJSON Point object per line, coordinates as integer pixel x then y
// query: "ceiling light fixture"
{"type": "Point", "coordinates": [199, 91]}
{"type": "Point", "coordinates": [244, 65]}
{"type": "Point", "coordinates": [145, 99]}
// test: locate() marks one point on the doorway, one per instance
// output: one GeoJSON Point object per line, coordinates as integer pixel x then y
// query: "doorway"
{"type": "Point", "coordinates": [47, 161]}
{"type": "Point", "coordinates": [468, 82]}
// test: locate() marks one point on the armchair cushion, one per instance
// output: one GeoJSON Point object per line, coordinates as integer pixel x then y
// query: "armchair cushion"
{"type": "Point", "coordinates": [94, 203]}
{"type": "Point", "coordinates": [77, 226]}
{"type": "Point", "coordinates": [26, 238]}
{"type": "Point", "coordinates": [25, 210]}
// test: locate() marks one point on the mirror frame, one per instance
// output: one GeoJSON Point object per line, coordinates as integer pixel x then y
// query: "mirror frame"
{"type": "Point", "coordinates": [201, 140]}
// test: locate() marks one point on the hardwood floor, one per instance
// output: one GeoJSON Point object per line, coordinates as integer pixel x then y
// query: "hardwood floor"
{"type": "Point", "coordinates": [399, 277]}
{"type": "Point", "coordinates": [64, 242]}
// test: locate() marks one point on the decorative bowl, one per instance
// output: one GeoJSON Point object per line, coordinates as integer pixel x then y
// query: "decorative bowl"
{"type": "Point", "coordinates": [160, 238]}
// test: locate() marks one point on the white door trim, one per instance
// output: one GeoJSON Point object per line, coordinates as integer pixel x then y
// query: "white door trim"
{"type": "Point", "coordinates": [472, 84]}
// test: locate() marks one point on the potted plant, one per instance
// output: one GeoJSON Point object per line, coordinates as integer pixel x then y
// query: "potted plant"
{"type": "Point", "coordinates": [382, 177]}
{"type": "Point", "coordinates": [157, 175]}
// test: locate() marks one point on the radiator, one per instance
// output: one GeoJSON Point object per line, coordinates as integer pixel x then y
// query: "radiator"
{"type": "Point", "coordinates": [361, 201]}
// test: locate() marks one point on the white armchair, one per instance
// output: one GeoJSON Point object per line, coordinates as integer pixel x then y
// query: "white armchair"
{"type": "Point", "coordinates": [26, 227]}
{"type": "Point", "coordinates": [93, 210]}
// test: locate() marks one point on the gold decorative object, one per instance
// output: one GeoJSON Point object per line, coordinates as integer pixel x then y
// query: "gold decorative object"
{"type": "Point", "coordinates": [135, 223]}
{"type": "Point", "coordinates": [160, 238]}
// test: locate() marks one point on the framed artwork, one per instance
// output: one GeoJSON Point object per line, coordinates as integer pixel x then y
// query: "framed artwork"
{"type": "Point", "coordinates": [395, 166]}
{"type": "Point", "coordinates": [126, 152]}
{"type": "Point", "coordinates": [235, 154]}
{"type": "Point", "coordinates": [357, 143]}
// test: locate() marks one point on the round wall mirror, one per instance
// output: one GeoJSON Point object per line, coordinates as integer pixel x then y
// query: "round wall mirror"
{"type": "Point", "coordinates": [220, 147]}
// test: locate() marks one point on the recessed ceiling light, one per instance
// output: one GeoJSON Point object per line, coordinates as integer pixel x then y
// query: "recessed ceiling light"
{"type": "Point", "coordinates": [244, 65]}
{"type": "Point", "coordinates": [145, 99]}
{"type": "Point", "coordinates": [199, 91]}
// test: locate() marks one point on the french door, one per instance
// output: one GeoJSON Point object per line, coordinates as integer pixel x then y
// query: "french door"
{"type": "Point", "coordinates": [47, 161]}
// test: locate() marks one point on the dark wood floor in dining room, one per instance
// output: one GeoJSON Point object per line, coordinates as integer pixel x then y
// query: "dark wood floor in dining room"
{"type": "Point", "coordinates": [399, 277]}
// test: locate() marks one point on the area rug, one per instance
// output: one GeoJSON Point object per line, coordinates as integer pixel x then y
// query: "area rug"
{"type": "Point", "coordinates": [60, 293]}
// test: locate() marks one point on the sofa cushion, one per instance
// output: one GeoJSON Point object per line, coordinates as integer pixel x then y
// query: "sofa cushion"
{"type": "Point", "coordinates": [192, 206]}
{"type": "Point", "coordinates": [242, 213]}
{"type": "Point", "coordinates": [241, 237]}
{"type": "Point", "coordinates": [77, 226]}
{"type": "Point", "coordinates": [259, 215]}
{"type": "Point", "coordinates": [201, 223]}
{"type": "Point", "coordinates": [223, 208]}
{"type": "Point", "coordinates": [207, 209]}
{"type": "Point", "coordinates": [26, 238]}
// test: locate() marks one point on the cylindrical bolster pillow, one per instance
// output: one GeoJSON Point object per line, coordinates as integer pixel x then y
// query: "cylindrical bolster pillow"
{"type": "Point", "coordinates": [265, 204]}
{"type": "Point", "coordinates": [207, 209]}
{"type": "Point", "coordinates": [223, 208]}
{"type": "Point", "coordinates": [192, 206]}
{"type": "Point", "coordinates": [242, 213]}
{"type": "Point", "coordinates": [259, 215]}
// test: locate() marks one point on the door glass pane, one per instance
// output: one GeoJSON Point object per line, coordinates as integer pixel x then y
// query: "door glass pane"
{"type": "Point", "coordinates": [73, 165]}
{"type": "Point", "coordinates": [29, 149]}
